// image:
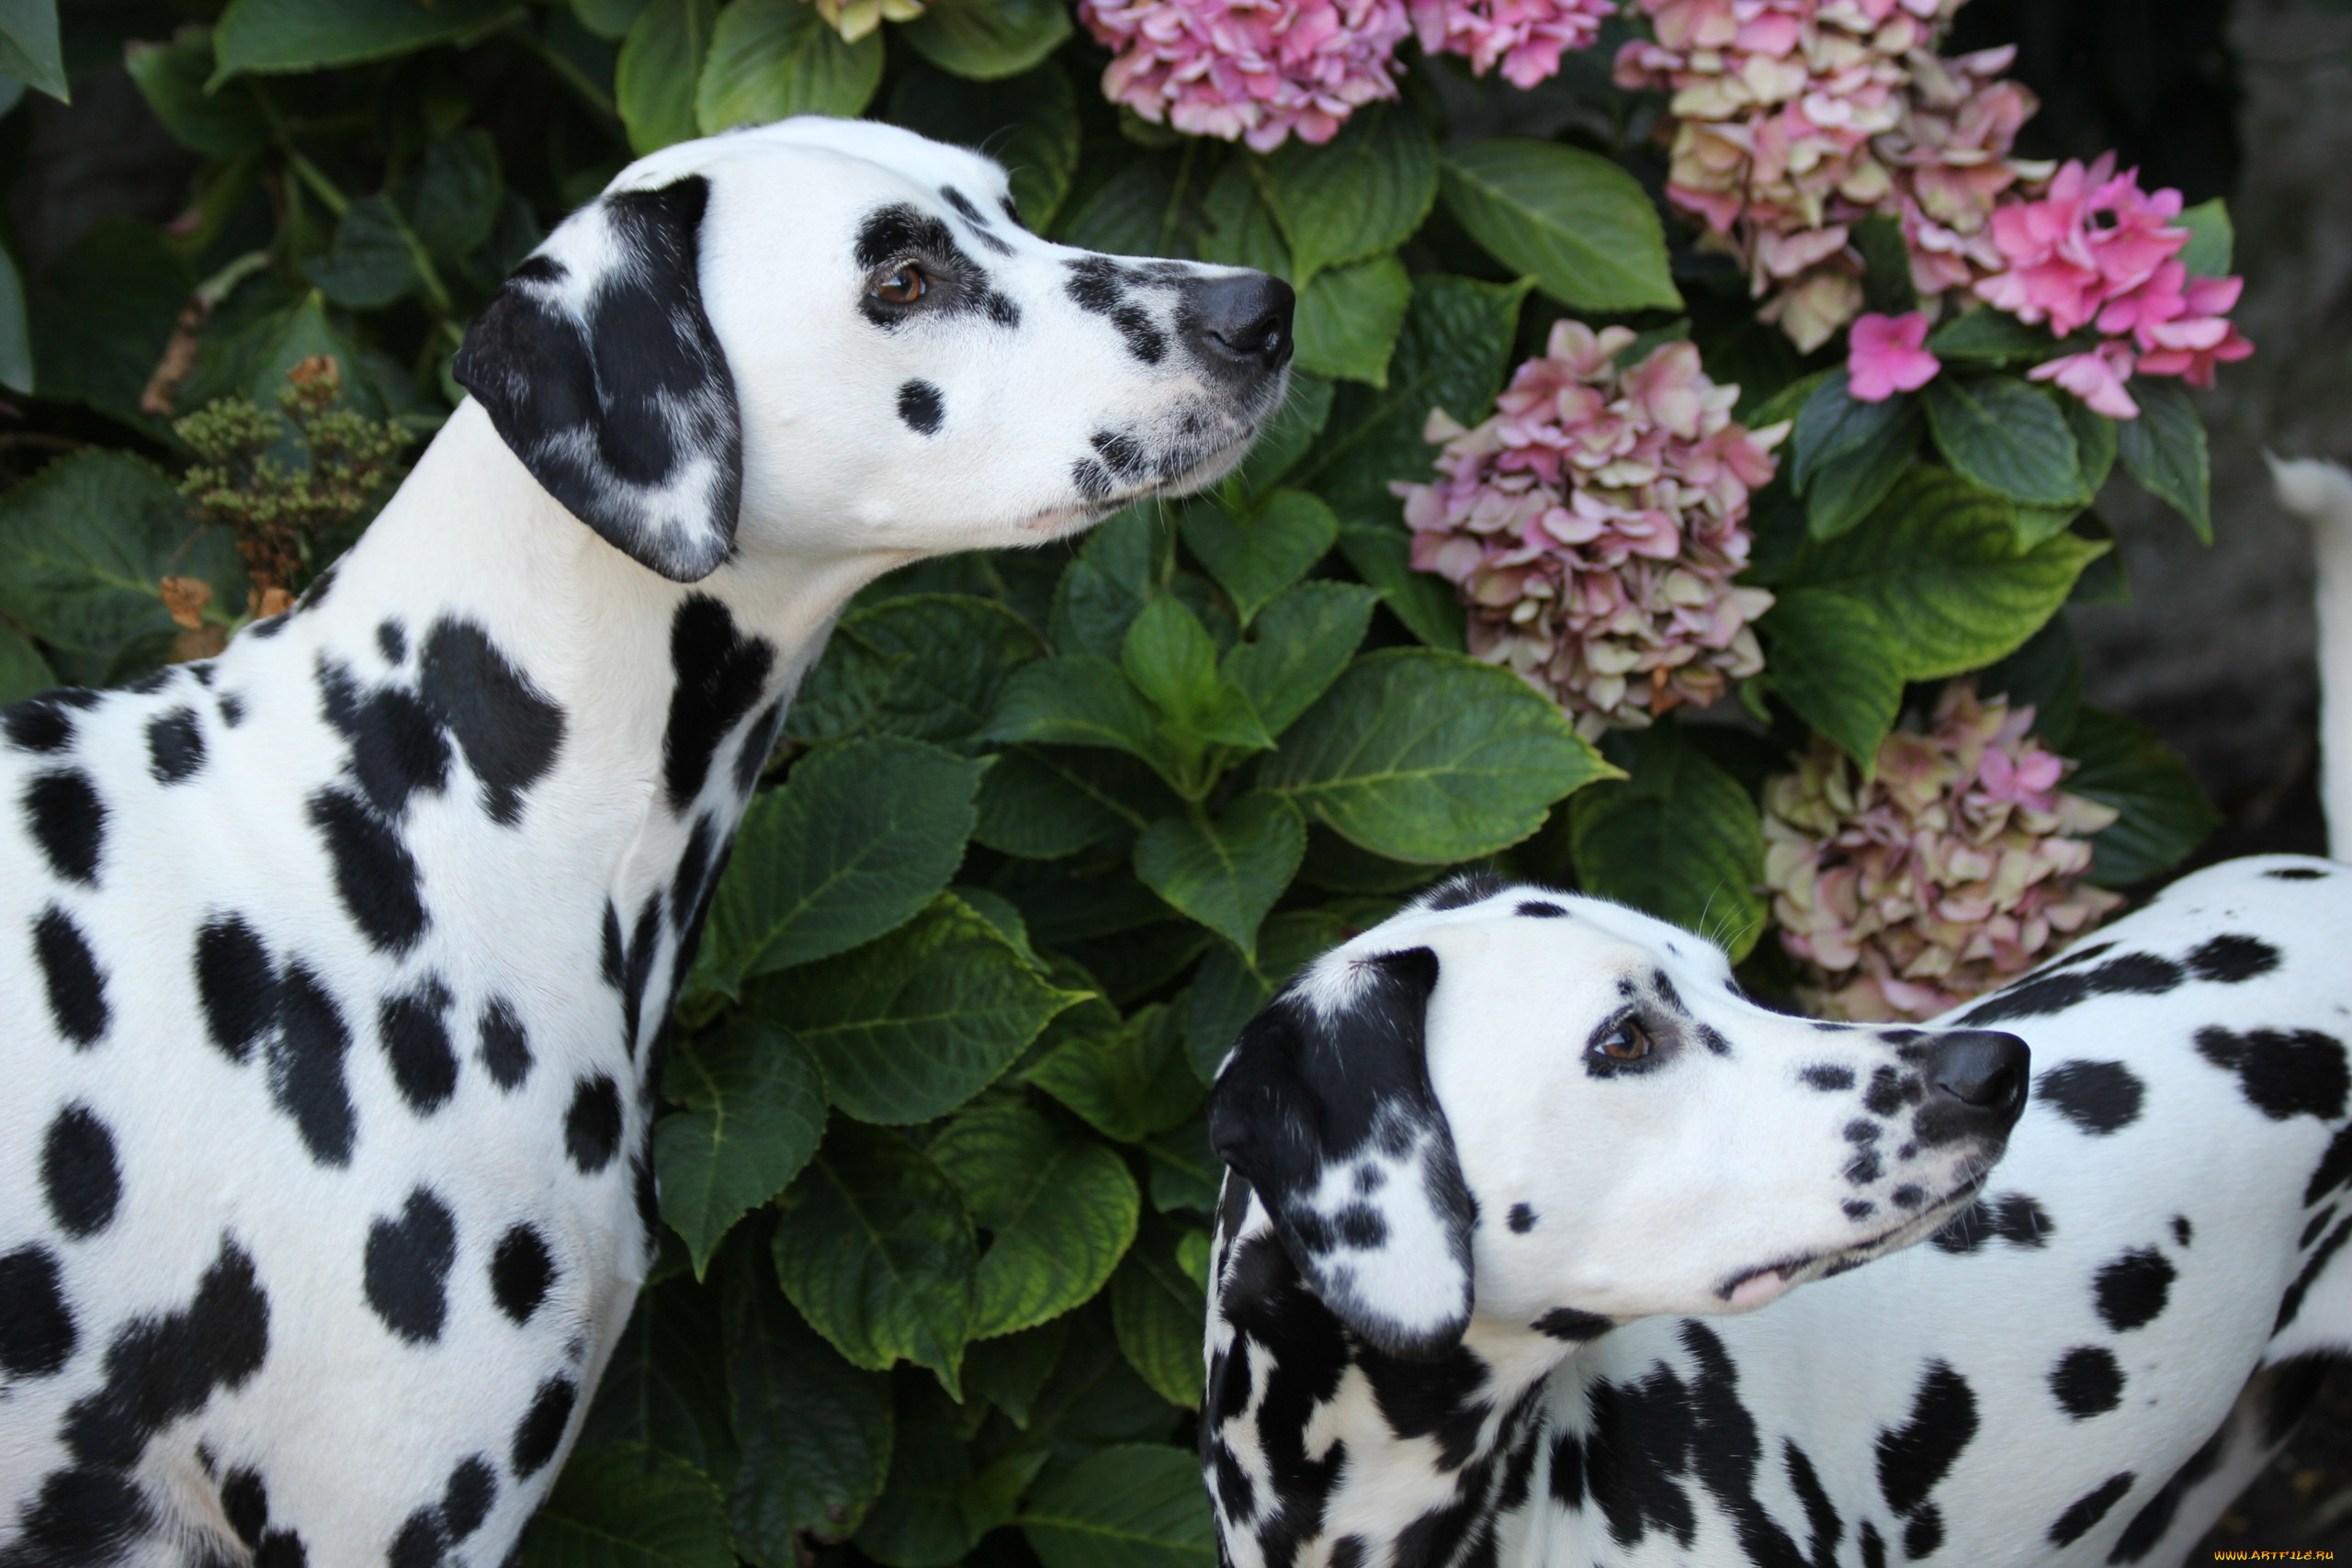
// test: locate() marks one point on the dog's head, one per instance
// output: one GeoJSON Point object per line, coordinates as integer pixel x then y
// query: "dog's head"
{"type": "Point", "coordinates": [1559, 1114]}
{"type": "Point", "coordinates": [840, 334]}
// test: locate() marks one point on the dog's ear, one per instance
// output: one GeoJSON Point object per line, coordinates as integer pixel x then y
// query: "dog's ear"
{"type": "Point", "coordinates": [599, 368]}
{"type": "Point", "coordinates": [1325, 1107]}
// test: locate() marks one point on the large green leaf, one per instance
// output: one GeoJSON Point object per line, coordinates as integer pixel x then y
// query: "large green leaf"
{"type": "Point", "coordinates": [660, 62]}
{"type": "Point", "coordinates": [454, 199]}
{"type": "Point", "coordinates": [2211, 239]}
{"type": "Point", "coordinates": [23, 672]}
{"type": "Point", "coordinates": [877, 1252]}
{"type": "Point", "coordinates": [928, 666]}
{"type": "Point", "coordinates": [172, 77]}
{"type": "Point", "coordinates": [1831, 423]}
{"type": "Point", "coordinates": [1430, 757]}
{"type": "Point", "coordinates": [1172, 660]}
{"type": "Point", "coordinates": [2164, 450]}
{"type": "Point", "coordinates": [1102, 592]}
{"type": "Point", "coordinates": [1578, 223]}
{"type": "Point", "coordinates": [2009, 436]}
{"type": "Point", "coordinates": [1349, 318]}
{"type": "Point", "coordinates": [1227, 873]}
{"type": "Point", "coordinates": [1849, 487]}
{"type": "Point", "coordinates": [923, 1519]}
{"type": "Point", "coordinates": [1286, 436]}
{"type": "Point", "coordinates": [15, 330]}
{"type": "Point", "coordinates": [1136, 1506]}
{"type": "Point", "coordinates": [372, 263]}
{"type": "Point", "coordinates": [1081, 701]}
{"type": "Point", "coordinates": [1028, 122]}
{"type": "Point", "coordinates": [1937, 564]}
{"type": "Point", "coordinates": [1128, 1082]}
{"type": "Point", "coordinates": [754, 1112]}
{"type": "Point", "coordinates": [1830, 659]}
{"type": "Point", "coordinates": [624, 1507]}
{"type": "Point", "coordinates": [28, 46]}
{"type": "Point", "coordinates": [101, 315]}
{"type": "Point", "coordinates": [1990, 337]}
{"type": "Point", "coordinates": [665, 1388]}
{"type": "Point", "coordinates": [1045, 803]}
{"type": "Point", "coordinates": [1359, 194]}
{"type": "Point", "coordinates": [1157, 1311]}
{"type": "Point", "coordinates": [1383, 556]}
{"type": "Point", "coordinates": [2165, 815]}
{"type": "Point", "coordinates": [305, 34]}
{"type": "Point", "coordinates": [1131, 214]}
{"type": "Point", "coordinates": [911, 1026]}
{"type": "Point", "coordinates": [1060, 1207]}
{"type": "Point", "coordinates": [817, 1432]}
{"type": "Point", "coordinates": [1009, 1370]}
{"type": "Point", "coordinates": [862, 837]}
{"type": "Point", "coordinates": [773, 59]}
{"type": "Point", "coordinates": [1237, 228]}
{"type": "Point", "coordinates": [1679, 838]}
{"type": "Point", "coordinates": [987, 40]}
{"type": "Point", "coordinates": [1229, 990]}
{"type": "Point", "coordinates": [1305, 639]}
{"type": "Point", "coordinates": [1255, 556]}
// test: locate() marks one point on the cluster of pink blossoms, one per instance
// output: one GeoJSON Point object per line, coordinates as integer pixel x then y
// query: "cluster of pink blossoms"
{"type": "Point", "coordinates": [1261, 70]}
{"type": "Point", "coordinates": [1593, 526]}
{"type": "Point", "coordinates": [1957, 868]}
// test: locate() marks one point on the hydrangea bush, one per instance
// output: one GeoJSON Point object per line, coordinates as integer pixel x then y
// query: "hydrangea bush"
{"type": "Point", "coordinates": [1680, 502]}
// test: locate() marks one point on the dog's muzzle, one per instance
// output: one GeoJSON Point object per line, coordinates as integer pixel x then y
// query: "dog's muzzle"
{"type": "Point", "coordinates": [1239, 327]}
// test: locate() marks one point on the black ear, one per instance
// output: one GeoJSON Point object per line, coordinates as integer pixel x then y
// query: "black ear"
{"type": "Point", "coordinates": [599, 368]}
{"type": "Point", "coordinates": [1325, 1107]}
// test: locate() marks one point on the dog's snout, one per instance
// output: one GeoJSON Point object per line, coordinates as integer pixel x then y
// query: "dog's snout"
{"type": "Point", "coordinates": [1983, 1069]}
{"type": "Point", "coordinates": [1243, 320]}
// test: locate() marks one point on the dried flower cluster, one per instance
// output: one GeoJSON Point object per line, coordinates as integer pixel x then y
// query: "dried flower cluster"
{"type": "Point", "coordinates": [1957, 868]}
{"type": "Point", "coordinates": [1526, 37]}
{"type": "Point", "coordinates": [1593, 526]}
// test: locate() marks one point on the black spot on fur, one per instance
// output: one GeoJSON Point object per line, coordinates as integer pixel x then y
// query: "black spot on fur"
{"type": "Point", "coordinates": [245, 1502]}
{"type": "Point", "coordinates": [2053, 991]}
{"type": "Point", "coordinates": [920, 406]}
{"type": "Point", "coordinates": [2232, 959]}
{"type": "Point", "coordinates": [505, 1049]}
{"type": "Point", "coordinates": [638, 968]}
{"type": "Point", "coordinates": [391, 641]}
{"type": "Point", "coordinates": [509, 730]}
{"type": "Point", "coordinates": [1828, 1079]}
{"type": "Point", "coordinates": [232, 709]}
{"type": "Point", "coordinates": [38, 724]}
{"type": "Point", "coordinates": [82, 1517]}
{"type": "Point", "coordinates": [2148, 1527]}
{"type": "Point", "coordinates": [758, 741]}
{"type": "Point", "coordinates": [720, 675]}
{"type": "Point", "coordinates": [306, 1068]}
{"type": "Point", "coordinates": [175, 746]}
{"type": "Point", "coordinates": [2086, 1382]}
{"type": "Point", "coordinates": [375, 875]}
{"type": "Point", "coordinates": [2131, 1290]}
{"type": "Point", "coordinates": [1535, 909]}
{"type": "Point", "coordinates": [1859, 1209]}
{"type": "Point", "coordinates": [78, 1172]}
{"type": "Point", "coordinates": [2314, 1226]}
{"type": "Point", "coordinates": [1639, 1443]}
{"type": "Point", "coordinates": [1913, 1458]}
{"type": "Point", "coordinates": [398, 746]}
{"type": "Point", "coordinates": [419, 1542]}
{"type": "Point", "coordinates": [466, 1501]}
{"type": "Point", "coordinates": [2182, 1230]}
{"type": "Point", "coordinates": [424, 1066]}
{"type": "Point", "coordinates": [540, 1431]}
{"type": "Point", "coordinates": [1144, 339]}
{"type": "Point", "coordinates": [2097, 1096]}
{"type": "Point", "coordinates": [520, 1272]}
{"type": "Point", "coordinates": [37, 1334]}
{"type": "Point", "coordinates": [2015, 1218]}
{"type": "Point", "coordinates": [2295, 874]}
{"type": "Point", "coordinates": [592, 1128]}
{"type": "Point", "coordinates": [2281, 1075]}
{"type": "Point", "coordinates": [2334, 1168]}
{"type": "Point", "coordinates": [1573, 1325]}
{"type": "Point", "coordinates": [65, 817]}
{"type": "Point", "coordinates": [236, 984]}
{"type": "Point", "coordinates": [407, 1268]}
{"type": "Point", "coordinates": [2291, 1301]}
{"type": "Point", "coordinates": [2087, 1510]}
{"type": "Point", "coordinates": [1908, 1196]}
{"type": "Point", "coordinates": [1522, 1219]}
{"type": "Point", "coordinates": [161, 1369]}
{"type": "Point", "coordinates": [76, 987]}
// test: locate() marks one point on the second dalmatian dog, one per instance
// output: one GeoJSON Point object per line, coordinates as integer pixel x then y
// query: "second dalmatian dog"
{"type": "Point", "coordinates": [335, 970]}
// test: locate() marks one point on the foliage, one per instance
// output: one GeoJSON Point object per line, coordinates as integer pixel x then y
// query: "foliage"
{"type": "Point", "coordinates": [1046, 831]}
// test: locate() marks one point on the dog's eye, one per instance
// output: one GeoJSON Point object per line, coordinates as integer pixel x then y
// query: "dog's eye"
{"type": "Point", "coordinates": [904, 287]}
{"type": "Point", "coordinates": [1629, 1042]}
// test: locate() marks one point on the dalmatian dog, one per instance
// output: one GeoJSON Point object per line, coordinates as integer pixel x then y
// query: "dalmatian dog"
{"type": "Point", "coordinates": [337, 966]}
{"type": "Point", "coordinates": [1512, 1171]}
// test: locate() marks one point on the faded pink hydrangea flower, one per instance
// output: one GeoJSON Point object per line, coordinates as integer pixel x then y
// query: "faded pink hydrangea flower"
{"type": "Point", "coordinates": [1957, 868]}
{"type": "Point", "coordinates": [1951, 164]}
{"type": "Point", "coordinates": [1527, 37]}
{"type": "Point", "coordinates": [1884, 355]}
{"type": "Point", "coordinates": [1258, 71]}
{"type": "Point", "coordinates": [1594, 525]}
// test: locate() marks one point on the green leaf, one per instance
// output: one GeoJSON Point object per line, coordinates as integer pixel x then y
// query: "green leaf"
{"type": "Point", "coordinates": [2047, 673]}
{"type": "Point", "coordinates": [1010, 1371]}
{"type": "Point", "coordinates": [1237, 228]}
{"type": "Point", "coordinates": [1426, 604]}
{"type": "Point", "coordinates": [1173, 661]}
{"type": "Point", "coordinates": [1227, 991]}
{"type": "Point", "coordinates": [252, 361]}
{"type": "Point", "coordinates": [1128, 214]}
{"type": "Point", "coordinates": [1137, 1506]}
{"type": "Point", "coordinates": [1678, 839]}
{"type": "Point", "coordinates": [918, 1521]}
{"type": "Point", "coordinates": [1430, 757]}
{"type": "Point", "coordinates": [1887, 285]}
{"type": "Point", "coordinates": [927, 666]}
{"type": "Point", "coordinates": [2211, 239]}
{"type": "Point", "coordinates": [1028, 122]}
{"type": "Point", "coordinates": [1360, 194]}
{"type": "Point", "coordinates": [1256, 557]}
{"type": "Point", "coordinates": [2009, 436]}
{"type": "Point", "coordinates": [817, 1432]}
{"type": "Point", "coordinates": [624, 1507]}
{"type": "Point", "coordinates": [371, 264]}
{"type": "Point", "coordinates": [1305, 639]}
{"type": "Point", "coordinates": [608, 19]}
{"type": "Point", "coordinates": [2094, 441]}
{"type": "Point", "coordinates": [15, 330]}
{"type": "Point", "coordinates": [862, 837]}
{"type": "Point", "coordinates": [1101, 593]}
{"type": "Point", "coordinates": [172, 77]}
{"type": "Point", "coordinates": [665, 1388]}
{"type": "Point", "coordinates": [661, 61]}
{"type": "Point", "coordinates": [876, 1253]}
{"type": "Point", "coordinates": [305, 34]}
{"type": "Point", "coordinates": [1831, 423]}
{"type": "Point", "coordinates": [2164, 450]}
{"type": "Point", "coordinates": [28, 46]}
{"type": "Point", "coordinates": [1082, 700]}
{"type": "Point", "coordinates": [1226, 874]}
{"type": "Point", "coordinates": [1990, 337]}
{"type": "Point", "coordinates": [1185, 1171]}
{"type": "Point", "coordinates": [1937, 564]}
{"type": "Point", "coordinates": [1849, 487]}
{"type": "Point", "coordinates": [755, 1114]}
{"type": "Point", "coordinates": [987, 40]}
{"type": "Point", "coordinates": [911, 1026]}
{"type": "Point", "coordinates": [23, 672]}
{"type": "Point", "coordinates": [1128, 1083]}
{"type": "Point", "coordinates": [1349, 318]}
{"type": "Point", "coordinates": [1578, 223]}
{"type": "Point", "coordinates": [1157, 1311]}
{"type": "Point", "coordinates": [1827, 656]}
{"type": "Point", "coordinates": [1061, 1208]}
{"type": "Point", "coordinates": [773, 59]}
{"type": "Point", "coordinates": [1093, 1396]}
{"type": "Point", "coordinates": [1450, 354]}
{"type": "Point", "coordinates": [101, 315]}
{"type": "Point", "coordinates": [2165, 815]}
{"type": "Point", "coordinates": [1044, 805]}
{"type": "Point", "coordinates": [456, 194]}
{"type": "Point", "coordinates": [1287, 436]}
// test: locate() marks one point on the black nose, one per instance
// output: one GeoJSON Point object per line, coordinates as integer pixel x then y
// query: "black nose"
{"type": "Point", "coordinates": [1983, 1069]}
{"type": "Point", "coordinates": [1243, 322]}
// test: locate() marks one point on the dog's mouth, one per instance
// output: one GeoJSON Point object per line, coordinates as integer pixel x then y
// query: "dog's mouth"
{"type": "Point", "coordinates": [1752, 1288]}
{"type": "Point", "coordinates": [1183, 471]}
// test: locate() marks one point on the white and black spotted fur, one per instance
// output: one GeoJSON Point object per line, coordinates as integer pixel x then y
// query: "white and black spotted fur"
{"type": "Point", "coordinates": [1474, 1274]}
{"type": "Point", "coordinates": [335, 969]}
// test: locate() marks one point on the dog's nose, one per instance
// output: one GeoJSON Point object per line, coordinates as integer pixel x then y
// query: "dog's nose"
{"type": "Point", "coordinates": [1243, 320]}
{"type": "Point", "coordinates": [1982, 1069]}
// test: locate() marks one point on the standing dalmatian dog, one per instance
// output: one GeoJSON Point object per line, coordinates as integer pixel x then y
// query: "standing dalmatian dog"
{"type": "Point", "coordinates": [336, 968]}
{"type": "Point", "coordinates": [1505, 1167]}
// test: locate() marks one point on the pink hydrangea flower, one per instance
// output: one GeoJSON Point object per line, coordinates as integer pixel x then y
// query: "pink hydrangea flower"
{"type": "Point", "coordinates": [2097, 377]}
{"type": "Point", "coordinates": [1957, 868]}
{"type": "Point", "coordinates": [1527, 37]}
{"type": "Point", "coordinates": [1254, 70]}
{"type": "Point", "coordinates": [1885, 354]}
{"type": "Point", "coordinates": [1594, 525]}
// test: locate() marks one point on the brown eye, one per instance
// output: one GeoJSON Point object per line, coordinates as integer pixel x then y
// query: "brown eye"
{"type": "Point", "coordinates": [1627, 1042]}
{"type": "Point", "coordinates": [904, 287]}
